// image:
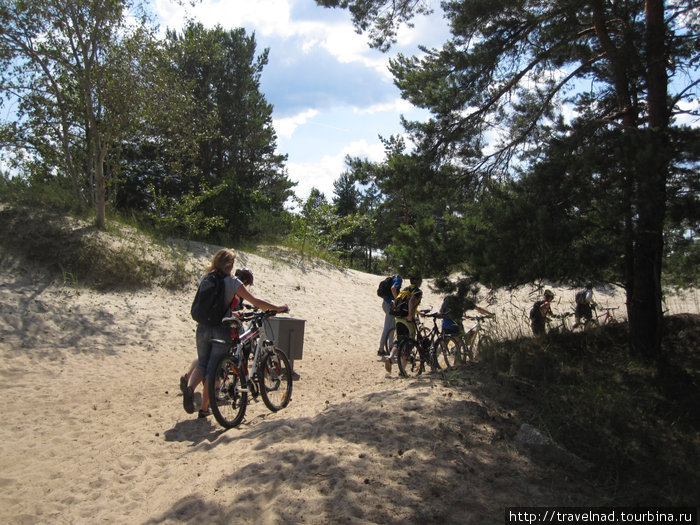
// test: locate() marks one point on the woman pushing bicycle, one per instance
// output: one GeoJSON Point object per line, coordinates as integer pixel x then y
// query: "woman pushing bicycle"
{"type": "Point", "coordinates": [208, 353]}
{"type": "Point", "coordinates": [246, 277]}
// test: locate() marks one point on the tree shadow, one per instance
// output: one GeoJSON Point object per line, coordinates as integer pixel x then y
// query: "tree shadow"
{"type": "Point", "coordinates": [417, 457]}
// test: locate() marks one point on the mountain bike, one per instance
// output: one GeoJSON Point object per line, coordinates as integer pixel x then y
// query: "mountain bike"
{"type": "Point", "coordinates": [390, 339]}
{"type": "Point", "coordinates": [607, 317]}
{"type": "Point", "coordinates": [251, 366]}
{"type": "Point", "coordinates": [474, 338]}
{"type": "Point", "coordinates": [431, 346]}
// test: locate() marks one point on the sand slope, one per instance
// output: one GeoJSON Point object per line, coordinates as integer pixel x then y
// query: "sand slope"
{"type": "Point", "coordinates": [94, 431]}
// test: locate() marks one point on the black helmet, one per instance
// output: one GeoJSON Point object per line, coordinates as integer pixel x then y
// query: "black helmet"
{"type": "Point", "coordinates": [589, 285]}
{"type": "Point", "coordinates": [245, 276]}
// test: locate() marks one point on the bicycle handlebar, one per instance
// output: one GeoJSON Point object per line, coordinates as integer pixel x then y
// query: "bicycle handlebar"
{"type": "Point", "coordinates": [563, 316]}
{"type": "Point", "coordinates": [250, 316]}
{"type": "Point", "coordinates": [479, 317]}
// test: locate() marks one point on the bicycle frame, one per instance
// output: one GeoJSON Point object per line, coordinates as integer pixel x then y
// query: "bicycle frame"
{"type": "Point", "coordinates": [470, 335]}
{"type": "Point", "coordinates": [471, 344]}
{"type": "Point", "coordinates": [393, 341]}
{"type": "Point", "coordinates": [608, 316]}
{"type": "Point", "coordinates": [428, 355]}
{"type": "Point", "coordinates": [562, 326]}
{"type": "Point", "coordinates": [254, 335]}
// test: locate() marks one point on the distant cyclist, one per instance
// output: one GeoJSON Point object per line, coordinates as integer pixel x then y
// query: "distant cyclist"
{"type": "Point", "coordinates": [453, 308]}
{"type": "Point", "coordinates": [406, 304]}
{"type": "Point", "coordinates": [540, 311]}
{"type": "Point", "coordinates": [387, 300]}
{"type": "Point", "coordinates": [584, 305]}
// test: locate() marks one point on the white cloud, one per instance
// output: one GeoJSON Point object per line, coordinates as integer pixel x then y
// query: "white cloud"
{"type": "Point", "coordinates": [690, 118]}
{"type": "Point", "coordinates": [322, 174]}
{"type": "Point", "coordinates": [398, 105]}
{"type": "Point", "coordinates": [334, 92]}
{"type": "Point", "coordinates": [272, 18]}
{"type": "Point", "coordinates": [285, 127]}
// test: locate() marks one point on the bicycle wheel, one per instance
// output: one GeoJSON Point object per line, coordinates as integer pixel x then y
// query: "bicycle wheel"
{"type": "Point", "coordinates": [409, 360]}
{"type": "Point", "coordinates": [449, 351]}
{"type": "Point", "coordinates": [481, 343]}
{"type": "Point", "coordinates": [275, 379]}
{"type": "Point", "coordinates": [227, 402]}
{"type": "Point", "coordinates": [469, 345]}
{"type": "Point", "coordinates": [593, 323]}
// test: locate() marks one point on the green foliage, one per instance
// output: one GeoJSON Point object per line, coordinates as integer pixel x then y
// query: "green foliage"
{"type": "Point", "coordinates": [67, 69]}
{"type": "Point", "coordinates": [36, 191]}
{"type": "Point", "coordinates": [592, 165]}
{"type": "Point", "coordinates": [208, 79]}
{"type": "Point", "coordinates": [146, 125]}
{"type": "Point", "coordinates": [184, 215]}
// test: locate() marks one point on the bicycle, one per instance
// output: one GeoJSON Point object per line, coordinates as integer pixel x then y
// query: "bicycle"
{"type": "Point", "coordinates": [390, 339]}
{"type": "Point", "coordinates": [562, 327]}
{"type": "Point", "coordinates": [474, 338]}
{"type": "Point", "coordinates": [431, 346]}
{"type": "Point", "coordinates": [427, 347]}
{"type": "Point", "coordinates": [268, 375]}
{"type": "Point", "coordinates": [608, 318]}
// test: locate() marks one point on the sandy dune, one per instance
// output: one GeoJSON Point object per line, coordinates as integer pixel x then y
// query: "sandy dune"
{"type": "Point", "coordinates": [94, 431]}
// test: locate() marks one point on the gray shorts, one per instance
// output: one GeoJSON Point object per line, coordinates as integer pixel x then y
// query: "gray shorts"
{"type": "Point", "coordinates": [208, 353]}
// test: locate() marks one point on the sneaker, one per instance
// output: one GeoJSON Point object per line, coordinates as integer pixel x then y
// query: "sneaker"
{"type": "Point", "coordinates": [204, 413]}
{"type": "Point", "coordinates": [381, 352]}
{"type": "Point", "coordinates": [188, 400]}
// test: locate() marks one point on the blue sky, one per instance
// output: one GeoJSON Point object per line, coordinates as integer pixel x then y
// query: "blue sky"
{"type": "Point", "coordinates": [332, 95]}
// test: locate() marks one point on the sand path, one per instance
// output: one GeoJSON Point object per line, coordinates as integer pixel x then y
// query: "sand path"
{"type": "Point", "coordinates": [94, 431]}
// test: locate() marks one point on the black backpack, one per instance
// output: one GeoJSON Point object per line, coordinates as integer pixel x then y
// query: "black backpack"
{"type": "Point", "coordinates": [209, 306]}
{"type": "Point", "coordinates": [580, 296]}
{"type": "Point", "coordinates": [535, 312]}
{"type": "Point", "coordinates": [384, 290]}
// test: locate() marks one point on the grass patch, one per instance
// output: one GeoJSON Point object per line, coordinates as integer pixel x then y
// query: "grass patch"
{"type": "Point", "coordinates": [637, 421]}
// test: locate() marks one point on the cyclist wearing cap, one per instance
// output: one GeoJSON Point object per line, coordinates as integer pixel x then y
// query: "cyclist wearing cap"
{"type": "Point", "coordinates": [584, 303]}
{"type": "Point", "coordinates": [539, 312]}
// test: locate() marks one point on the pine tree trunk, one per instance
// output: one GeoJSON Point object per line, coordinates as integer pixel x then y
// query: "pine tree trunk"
{"type": "Point", "coordinates": [646, 316]}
